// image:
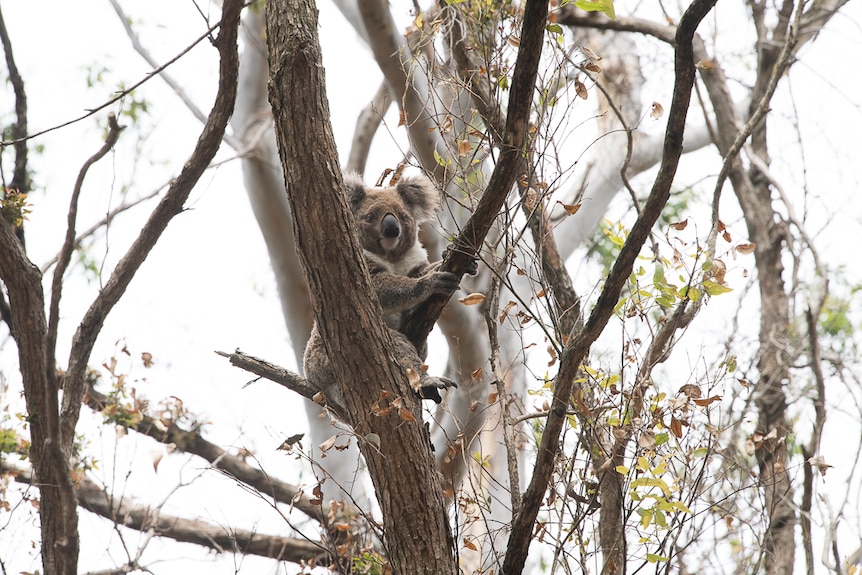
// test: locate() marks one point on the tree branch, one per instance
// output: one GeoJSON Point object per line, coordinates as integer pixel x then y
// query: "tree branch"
{"type": "Point", "coordinates": [465, 247]}
{"type": "Point", "coordinates": [221, 539]}
{"type": "Point", "coordinates": [233, 466]}
{"type": "Point", "coordinates": [65, 256]}
{"type": "Point", "coordinates": [519, 541]}
{"type": "Point", "coordinates": [170, 205]}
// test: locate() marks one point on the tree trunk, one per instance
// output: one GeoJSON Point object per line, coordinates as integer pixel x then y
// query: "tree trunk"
{"type": "Point", "coordinates": [394, 442]}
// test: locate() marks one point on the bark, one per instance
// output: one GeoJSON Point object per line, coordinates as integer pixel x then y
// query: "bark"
{"type": "Point", "coordinates": [395, 444]}
{"type": "Point", "coordinates": [58, 507]}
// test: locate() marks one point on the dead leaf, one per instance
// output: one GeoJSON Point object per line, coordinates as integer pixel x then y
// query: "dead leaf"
{"type": "Point", "coordinates": [745, 249]}
{"type": "Point", "coordinates": [676, 427]}
{"type": "Point", "coordinates": [691, 390]}
{"type": "Point", "coordinates": [402, 118]}
{"type": "Point", "coordinates": [647, 439]}
{"type": "Point", "coordinates": [580, 89]}
{"type": "Point", "coordinates": [571, 209]}
{"type": "Point", "coordinates": [327, 445]}
{"type": "Point", "coordinates": [464, 148]}
{"type": "Point", "coordinates": [147, 358]}
{"type": "Point", "coordinates": [706, 402]}
{"type": "Point", "coordinates": [679, 226]}
{"type": "Point", "coordinates": [413, 379]}
{"type": "Point", "coordinates": [593, 67]}
{"type": "Point", "coordinates": [656, 111]}
{"type": "Point", "coordinates": [476, 375]}
{"type": "Point", "coordinates": [820, 463]}
{"type": "Point", "coordinates": [470, 545]}
{"type": "Point", "coordinates": [472, 299]}
{"type": "Point", "coordinates": [506, 309]}
{"type": "Point", "coordinates": [492, 397]}
{"type": "Point", "coordinates": [718, 270]}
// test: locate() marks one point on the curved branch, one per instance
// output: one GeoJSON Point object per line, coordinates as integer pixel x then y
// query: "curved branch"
{"type": "Point", "coordinates": [519, 541]}
{"type": "Point", "coordinates": [469, 241]}
{"type": "Point", "coordinates": [141, 517]}
{"type": "Point", "coordinates": [169, 206]}
{"type": "Point", "coordinates": [65, 256]}
{"type": "Point", "coordinates": [20, 180]}
{"type": "Point", "coordinates": [194, 443]}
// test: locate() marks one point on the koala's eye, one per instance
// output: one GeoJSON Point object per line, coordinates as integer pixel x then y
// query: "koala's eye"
{"type": "Point", "coordinates": [368, 218]}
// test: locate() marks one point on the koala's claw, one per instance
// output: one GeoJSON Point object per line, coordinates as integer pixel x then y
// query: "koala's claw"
{"type": "Point", "coordinates": [472, 267]}
{"type": "Point", "coordinates": [431, 386]}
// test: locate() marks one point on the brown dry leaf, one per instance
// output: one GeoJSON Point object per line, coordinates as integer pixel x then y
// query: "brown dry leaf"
{"type": "Point", "coordinates": [476, 375]}
{"type": "Point", "coordinates": [506, 309]}
{"type": "Point", "coordinates": [406, 415]}
{"type": "Point", "coordinates": [647, 439]}
{"type": "Point", "coordinates": [319, 398]}
{"type": "Point", "coordinates": [492, 397]}
{"type": "Point", "coordinates": [676, 427]}
{"type": "Point", "coordinates": [413, 378]}
{"type": "Point", "coordinates": [580, 89]}
{"type": "Point", "coordinates": [592, 67]}
{"type": "Point", "coordinates": [402, 118]}
{"type": "Point", "coordinates": [464, 148]}
{"type": "Point", "coordinates": [514, 41]}
{"type": "Point", "coordinates": [590, 54]}
{"type": "Point", "coordinates": [470, 545]}
{"type": "Point", "coordinates": [656, 111]}
{"type": "Point", "coordinates": [820, 463]}
{"type": "Point", "coordinates": [706, 402]}
{"type": "Point", "coordinates": [679, 226]}
{"type": "Point", "coordinates": [691, 390]}
{"type": "Point", "coordinates": [327, 445]}
{"type": "Point", "coordinates": [571, 209]}
{"type": "Point", "coordinates": [317, 494]}
{"type": "Point", "coordinates": [472, 299]}
{"type": "Point", "coordinates": [147, 358]}
{"type": "Point", "coordinates": [718, 270]}
{"type": "Point", "coordinates": [541, 293]}
{"type": "Point", "coordinates": [745, 249]}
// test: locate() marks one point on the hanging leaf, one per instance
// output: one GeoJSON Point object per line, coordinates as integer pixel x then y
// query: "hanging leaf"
{"type": "Point", "coordinates": [606, 6]}
{"type": "Point", "coordinates": [745, 249]}
{"type": "Point", "coordinates": [472, 299]}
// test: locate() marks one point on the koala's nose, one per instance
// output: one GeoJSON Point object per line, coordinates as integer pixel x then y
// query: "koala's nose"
{"type": "Point", "coordinates": [390, 227]}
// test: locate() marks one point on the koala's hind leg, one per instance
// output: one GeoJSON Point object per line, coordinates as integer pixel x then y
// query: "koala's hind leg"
{"type": "Point", "coordinates": [408, 358]}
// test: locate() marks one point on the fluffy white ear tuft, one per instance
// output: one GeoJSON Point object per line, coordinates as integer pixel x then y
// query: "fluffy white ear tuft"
{"type": "Point", "coordinates": [354, 187]}
{"type": "Point", "coordinates": [421, 195]}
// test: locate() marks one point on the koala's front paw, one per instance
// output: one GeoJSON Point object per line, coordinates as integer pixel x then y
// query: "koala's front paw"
{"type": "Point", "coordinates": [472, 267]}
{"type": "Point", "coordinates": [444, 283]}
{"type": "Point", "coordinates": [431, 385]}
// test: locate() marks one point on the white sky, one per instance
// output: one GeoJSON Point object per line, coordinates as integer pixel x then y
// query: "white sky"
{"type": "Point", "coordinates": [207, 286]}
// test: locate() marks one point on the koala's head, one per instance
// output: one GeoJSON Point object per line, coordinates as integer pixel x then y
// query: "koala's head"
{"type": "Point", "coordinates": [387, 219]}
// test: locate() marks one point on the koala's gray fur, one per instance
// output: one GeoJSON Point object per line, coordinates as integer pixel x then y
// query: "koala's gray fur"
{"type": "Point", "coordinates": [387, 224]}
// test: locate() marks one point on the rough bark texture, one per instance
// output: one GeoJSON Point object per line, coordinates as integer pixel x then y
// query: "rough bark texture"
{"type": "Point", "coordinates": [416, 531]}
{"type": "Point", "coordinates": [58, 506]}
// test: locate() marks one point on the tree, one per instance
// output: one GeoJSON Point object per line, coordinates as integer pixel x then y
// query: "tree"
{"type": "Point", "coordinates": [626, 472]}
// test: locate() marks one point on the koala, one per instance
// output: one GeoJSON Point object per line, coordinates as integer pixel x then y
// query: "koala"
{"type": "Point", "coordinates": [387, 223]}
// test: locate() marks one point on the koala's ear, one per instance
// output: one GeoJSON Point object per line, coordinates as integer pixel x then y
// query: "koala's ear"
{"type": "Point", "coordinates": [421, 195]}
{"type": "Point", "coordinates": [354, 187]}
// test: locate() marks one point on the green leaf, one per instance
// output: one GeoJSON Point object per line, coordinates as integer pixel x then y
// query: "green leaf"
{"type": "Point", "coordinates": [712, 288]}
{"type": "Point", "coordinates": [651, 482]}
{"type": "Point", "coordinates": [606, 6]}
{"type": "Point", "coordinates": [554, 28]}
{"type": "Point", "coordinates": [652, 557]}
{"type": "Point", "coordinates": [622, 469]}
